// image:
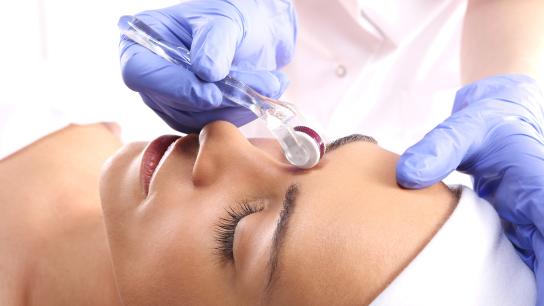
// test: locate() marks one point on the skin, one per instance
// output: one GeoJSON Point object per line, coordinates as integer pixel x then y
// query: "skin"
{"type": "Point", "coordinates": [352, 230]}
{"type": "Point", "coordinates": [54, 249]}
{"type": "Point", "coordinates": [502, 36]}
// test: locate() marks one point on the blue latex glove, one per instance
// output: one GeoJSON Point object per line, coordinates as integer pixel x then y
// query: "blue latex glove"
{"type": "Point", "coordinates": [496, 135]}
{"type": "Point", "coordinates": [250, 39]}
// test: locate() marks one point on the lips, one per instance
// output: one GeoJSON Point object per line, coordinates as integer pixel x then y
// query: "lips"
{"type": "Point", "coordinates": [152, 156]}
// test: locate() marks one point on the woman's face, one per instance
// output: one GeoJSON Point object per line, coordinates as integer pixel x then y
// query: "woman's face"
{"type": "Point", "coordinates": [226, 220]}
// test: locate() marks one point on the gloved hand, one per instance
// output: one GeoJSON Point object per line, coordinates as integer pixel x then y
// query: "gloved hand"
{"type": "Point", "coordinates": [496, 135]}
{"type": "Point", "coordinates": [255, 37]}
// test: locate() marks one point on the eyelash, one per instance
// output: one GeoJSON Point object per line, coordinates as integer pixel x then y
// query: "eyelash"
{"type": "Point", "coordinates": [226, 227]}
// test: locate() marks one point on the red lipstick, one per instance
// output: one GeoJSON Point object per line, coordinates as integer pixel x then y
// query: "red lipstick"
{"type": "Point", "coordinates": [153, 154]}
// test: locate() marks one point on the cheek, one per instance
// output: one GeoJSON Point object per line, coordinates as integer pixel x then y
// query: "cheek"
{"type": "Point", "coordinates": [320, 264]}
{"type": "Point", "coordinates": [119, 182]}
{"type": "Point", "coordinates": [167, 244]}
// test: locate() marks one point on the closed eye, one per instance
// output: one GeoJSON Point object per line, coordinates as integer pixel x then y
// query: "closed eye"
{"type": "Point", "coordinates": [226, 227]}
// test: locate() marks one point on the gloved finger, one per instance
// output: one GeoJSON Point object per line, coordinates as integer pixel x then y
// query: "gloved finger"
{"type": "Point", "coordinates": [144, 71]}
{"type": "Point", "coordinates": [520, 196]}
{"type": "Point", "coordinates": [440, 151]}
{"type": "Point", "coordinates": [539, 267]}
{"type": "Point", "coordinates": [267, 83]}
{"type": "Point", "coordinates": [539, 275]}
{"type": "Point", "coordinates": [168, 27]}
{"type": "Point", "coordinates": [520, 235]}
{"type": "Point", "coordinates": [176, 119]}
{"type": "Point", "coordinates": [283, 79]}
{"type": "Point", "coordinates": [213, 47]}
{"type": "Point", "coordinates": [193, 121]}
{"type": "Point", "coordinates": [183, 121]}
{"type": "Point", "coordinates": [235, 115]}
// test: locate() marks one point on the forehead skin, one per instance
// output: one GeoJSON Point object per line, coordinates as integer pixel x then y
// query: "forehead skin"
{"type": "Point", "coordinates": [354, 229]}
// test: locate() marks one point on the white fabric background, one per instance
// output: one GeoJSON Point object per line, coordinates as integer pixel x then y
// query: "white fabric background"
{"type": "Point", "coordinates": [59, 64]}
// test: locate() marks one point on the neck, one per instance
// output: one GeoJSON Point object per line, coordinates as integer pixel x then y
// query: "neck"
{"type": "Point", "coordinates": [56, 251]}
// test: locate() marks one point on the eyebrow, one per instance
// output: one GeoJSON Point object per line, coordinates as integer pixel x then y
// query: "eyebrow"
{"type": "Point", "coordinates": [348, 139]}
{"type": "Point", "coordinates": [289, 203]}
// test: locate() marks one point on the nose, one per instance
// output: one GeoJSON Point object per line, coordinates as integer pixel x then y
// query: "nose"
{"type": "Point", "coordinates": [225, 153]}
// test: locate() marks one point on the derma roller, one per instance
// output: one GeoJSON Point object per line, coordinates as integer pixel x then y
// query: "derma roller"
{"type": "Point", "coordinates": [301, 145]}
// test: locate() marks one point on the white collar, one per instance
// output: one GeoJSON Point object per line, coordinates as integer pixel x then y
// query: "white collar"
{"type": "Point", "coordinates": [395, 20]}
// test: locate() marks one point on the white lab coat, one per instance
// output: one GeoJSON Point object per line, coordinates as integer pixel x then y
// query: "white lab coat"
{"type": "Point", "coordinates": [386, 68]}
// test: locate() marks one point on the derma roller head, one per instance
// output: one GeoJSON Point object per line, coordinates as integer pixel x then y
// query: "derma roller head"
{"type": "Point", "coordinates": [312, 145]}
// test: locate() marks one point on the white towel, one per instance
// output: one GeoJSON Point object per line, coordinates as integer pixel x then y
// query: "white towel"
{"type": "Point", "coordinates": [469, 262]}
